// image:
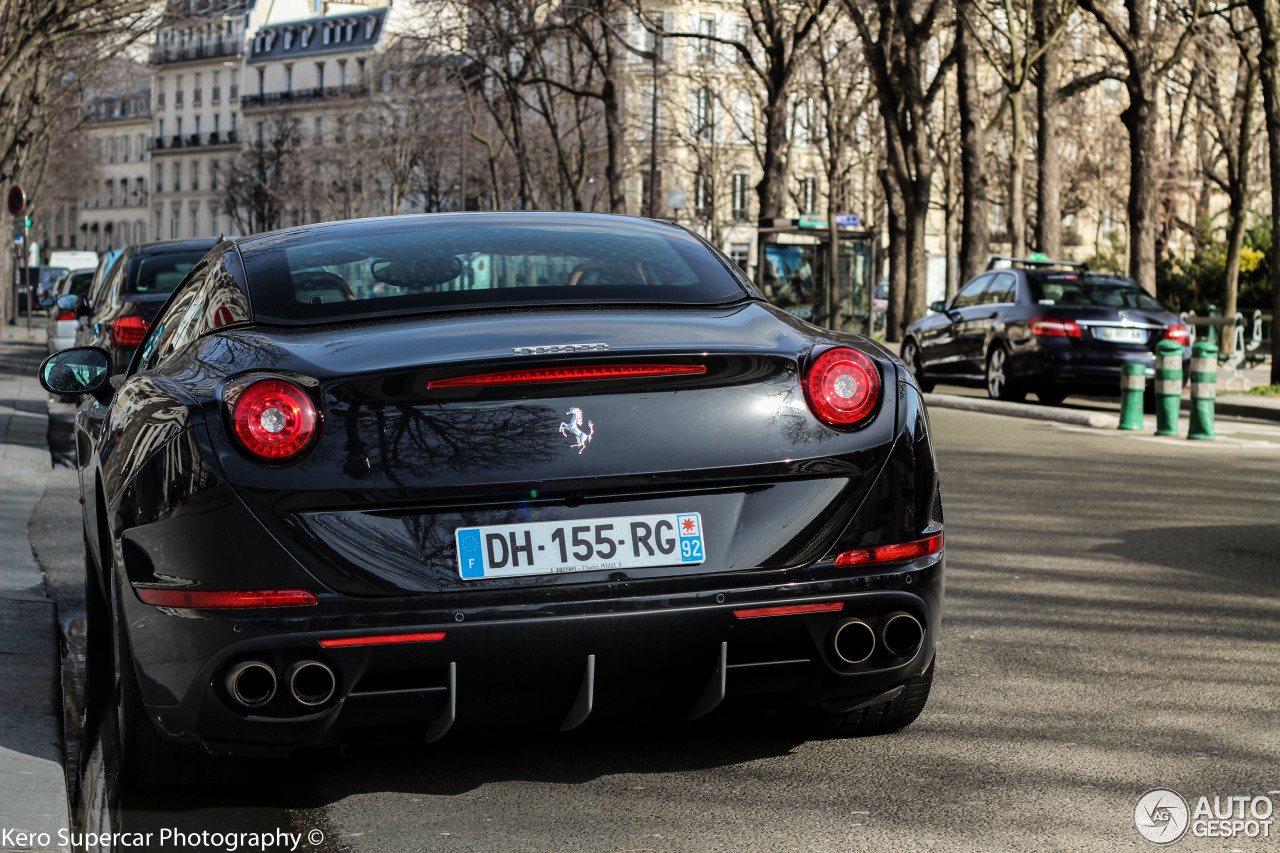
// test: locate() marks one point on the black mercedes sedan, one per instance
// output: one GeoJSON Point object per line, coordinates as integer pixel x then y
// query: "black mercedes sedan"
{"type": "Point", "coordinates": [116, 315]}
{"type": "Point", "coordinates": [398, 478]}
{"type": "Point", "coordinates": [1047, 327]}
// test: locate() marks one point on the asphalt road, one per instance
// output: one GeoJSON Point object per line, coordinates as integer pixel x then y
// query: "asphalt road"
{"type": "Point", "coordinates": [1113, 626]}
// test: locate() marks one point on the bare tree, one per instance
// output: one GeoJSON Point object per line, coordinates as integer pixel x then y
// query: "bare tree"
{"type": "Point", "coordinates": [1267, 14]}
{"type": "Point", "coordinates": [266, 181]}
{"type": "Point", "coordinates": [899, 37]}
{"type": "Point", "coordinates": [1152, 38]}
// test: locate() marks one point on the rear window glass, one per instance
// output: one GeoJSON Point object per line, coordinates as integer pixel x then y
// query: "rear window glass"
{"type": "Point", "coordinates": [1105, 294]}
{"type": "Point", "coordinates": [79, 283]}
{"type": "Point", "coordinates": [161, 273]}
{"type": "Point", "coordinates": [407, 267]}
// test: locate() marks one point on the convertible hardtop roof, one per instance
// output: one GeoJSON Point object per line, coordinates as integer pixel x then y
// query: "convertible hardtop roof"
{"type": "Point", "coordinates": [356, 228]}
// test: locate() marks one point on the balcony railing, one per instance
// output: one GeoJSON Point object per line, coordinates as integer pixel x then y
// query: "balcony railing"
{"type": "Point", "coordinates": [195, 140]}
{"type": "Point", "coordinates": [163, 54]}
{"type": "Point", "coordinates": [302, 96]}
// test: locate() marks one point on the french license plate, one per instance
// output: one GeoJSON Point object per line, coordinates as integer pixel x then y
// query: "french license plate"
{"type": "Point", "coordinates": [586, 545]}
{"type": "Point", "coordinates": [1121, 336]}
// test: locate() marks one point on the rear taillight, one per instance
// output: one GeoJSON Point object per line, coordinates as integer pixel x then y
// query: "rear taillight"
{"type": "Point", "coordinates": [1178, 333]}
{"type": "Point", "coordinates": [65, 315]}
{"type": "Point", "coordinates": [842, 386]}
{"type": "Point", "coordinates": [274, 419]}
{"type": "Point", "coordinates": [227, 597]}
{"type": "Point", "coordinates": [892, 553]}
{"type": "Point", "coordinates": [127, 331]}
{"type": "Point", "coordinates": [1055, 327]}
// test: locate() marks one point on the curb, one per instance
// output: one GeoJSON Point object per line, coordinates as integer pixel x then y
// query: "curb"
{"type": "Point", "coordinates": [1097, 420]}
{"type": "Point", "coordinates": [33, 786]}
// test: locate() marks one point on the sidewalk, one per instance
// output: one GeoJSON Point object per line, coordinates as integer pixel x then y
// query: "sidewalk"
{"type": "Point", "coordinates": [33, 791]}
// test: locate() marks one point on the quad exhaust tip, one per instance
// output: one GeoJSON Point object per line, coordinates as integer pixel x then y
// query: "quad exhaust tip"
{"type": "Point", "coordinates": [901, 633]}
{"type": "Point", "coordinates": [853, 641]}
{"type": "Point", "coordinates": [251, 683]}
{"type": "Point", "coordinates": [310, 682]}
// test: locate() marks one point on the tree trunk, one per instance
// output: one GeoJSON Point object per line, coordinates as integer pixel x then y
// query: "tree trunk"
{"type": "Point", "coordinates": [949, 224]}
{"type": "Point", "coordinates": [769, 190]}
{"type": "Point", "coordinates": [1141, 120]}
{"type": "Point", "coordinates": [1017, 175]}
{"type": "Point", "coordinates": [916, 210]}
{"type": "Point", "coordinates": [1267, 13]}
{"type": "Point", "coordinates": [1246, 91]}
{"type": "Point", "coordinates": [975, 232]}
{"type": "Point", "coordinates": [896, 220]}
{"type": "Point", "coordinates": [1048, 236]}
{"type": "Point", "coordinates": [613, 133]}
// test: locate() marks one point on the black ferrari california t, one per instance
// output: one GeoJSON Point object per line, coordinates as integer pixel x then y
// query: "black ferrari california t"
{"type": "Point", "coordinates": [395, 478]}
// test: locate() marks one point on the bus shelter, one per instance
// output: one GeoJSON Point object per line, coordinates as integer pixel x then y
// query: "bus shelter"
{"type": "Point", "coordinates": [818, 270]}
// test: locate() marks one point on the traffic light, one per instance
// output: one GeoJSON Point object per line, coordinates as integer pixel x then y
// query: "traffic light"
{"type": "Point", "coordinates": [28, 222]}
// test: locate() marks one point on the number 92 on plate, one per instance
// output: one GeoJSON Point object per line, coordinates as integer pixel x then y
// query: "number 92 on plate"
{"type": "Point", "coordinates": [583, 545]}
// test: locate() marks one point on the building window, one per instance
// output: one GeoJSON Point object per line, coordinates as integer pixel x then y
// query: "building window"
{"type": "Point", "coordinates": [262, 81]}
{"type": "Point", "coordinates": [124, 192]}
{"type": "Point", "coordinates": [177, 177]}
{"type": "Point", "coordinates": [173, 225]}
{"type": "Point", "coordinates": [740, 196]}
{"type": "Point", "coordinates": [198, 94]}
{"type": "Point", "coordinates": [701, 196]}
{"type": "Point", "coordinates": [342, 72]}
{"type": "Point", "coordinates": [318, 132]}
{"type": "Point", "coordinates": [700, 114]}
{"type": "Point", "coordinates": [197, 127]}
{"type": "Point", "coordinates": [360, 66]}
{"type": "Point", "coordinates": [159, 219]}
{"type": "Point", "coordinates": [320, 75]}
{"type": "Point", "coordinates": [288, 78]}
{"type": "Point", "coordinates": [111, 193]}
{"type": "Point", "coordinates": [179, 127]}
{"type": "Point", "coordinates": [195, 174]}
{"type": "Point", "coordinates": [159, 186]}
{"type": "Point", "coordinates": [808, 195]}
{"type": "Point", "coordinates": [177, 91]}
{"type": "Point", "coordinates": [739, 253]}
{"type": "Point", "coordinates": [706, 47]}
{"type": "Point", "coordinates": [160, 128]}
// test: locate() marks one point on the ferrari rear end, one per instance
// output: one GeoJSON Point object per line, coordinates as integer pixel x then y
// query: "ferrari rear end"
{"type": "Point", "coordinates": [558, 512]}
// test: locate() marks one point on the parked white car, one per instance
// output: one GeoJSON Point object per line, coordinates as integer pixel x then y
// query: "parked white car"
{"type": "Point", "coordinates": [61, 331]}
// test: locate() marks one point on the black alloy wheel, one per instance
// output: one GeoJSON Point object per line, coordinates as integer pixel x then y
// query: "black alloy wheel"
{"type": "Point", "coordinates": [998, 385]}
{"type": "Point", "coordinates": [911, 358]}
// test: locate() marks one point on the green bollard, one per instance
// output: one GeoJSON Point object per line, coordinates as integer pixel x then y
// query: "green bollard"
{"type": "Point", "coordinates": [1204, 381]}
{"type": "Point", "coordinates": [1168, 386]}
{"type": "Point", "coordinates": [1133, 386]}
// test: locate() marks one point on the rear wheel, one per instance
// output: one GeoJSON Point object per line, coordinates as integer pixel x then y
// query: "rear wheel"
{"type": "Point", "coordinates": [878, 719]}
{"type": "Point", "coordinates": [998, 385]}
{"type": "Point", "coordinates": [148, 760]}
{"type": "Point", "coordinates": [911, 358]}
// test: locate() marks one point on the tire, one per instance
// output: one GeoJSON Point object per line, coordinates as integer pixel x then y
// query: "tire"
{"type": "Point", "coordinates": [998, 386]}
{"type": "Point", "coordinates": [1051, 396]}
{"type": "Point", "coordinates": [147, 760]}
{"type": "Point", "coordinates": [879, 719]}
{"type": "Point", "coordinates": [911, 358]}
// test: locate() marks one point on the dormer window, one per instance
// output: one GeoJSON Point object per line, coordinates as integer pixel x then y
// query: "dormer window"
{"type": "Point", "coordinates": [327, 34]}
{"type": "Point", "coordinates": [307, 30]}
{"type": "Point", "coordinates": [370, 23]}
{"type": "Point", "coordinates": [288, 38]}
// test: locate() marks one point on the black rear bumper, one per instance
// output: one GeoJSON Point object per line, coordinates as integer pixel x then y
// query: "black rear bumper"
{"type": "Point", "coordinates": [676, 658]}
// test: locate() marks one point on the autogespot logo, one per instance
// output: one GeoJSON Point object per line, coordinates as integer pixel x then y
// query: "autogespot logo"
{"type": "Point", "coordinates": [1161, 816]}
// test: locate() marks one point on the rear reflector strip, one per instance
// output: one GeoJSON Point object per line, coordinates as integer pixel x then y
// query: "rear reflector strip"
{"type": "Point", "coordinates": [787, 610]}
{"type": "Point", "coordinates": [383, 639]}
{"type": "Point", "coordinates": [567, 374]}
{"type": "Point", "coordinates": [209, 598]}
{"type": "Point", "coordinates": [891, 553]}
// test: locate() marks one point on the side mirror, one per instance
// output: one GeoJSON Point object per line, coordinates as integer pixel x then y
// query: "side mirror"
{"type": "Point", "coordinates": [937, 307]}
{"type": "Point", "coordinates": [67, 303]}
{"type": "Point", "coordinates": [76, 371]}
{"type": "Point", "coordinates": [46, 301]}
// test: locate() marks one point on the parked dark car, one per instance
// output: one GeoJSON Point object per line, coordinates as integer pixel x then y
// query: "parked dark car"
{"type": "Point", "coordinates": [391, 478]}
{"type": "Point", "coordinates": [1047, 327]}
{"type": "Point", "coordinates": [120, 310]}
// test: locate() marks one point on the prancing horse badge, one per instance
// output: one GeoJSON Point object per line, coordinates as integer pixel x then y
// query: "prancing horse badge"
{"type": "Point", "coordinates": [574, 425]}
